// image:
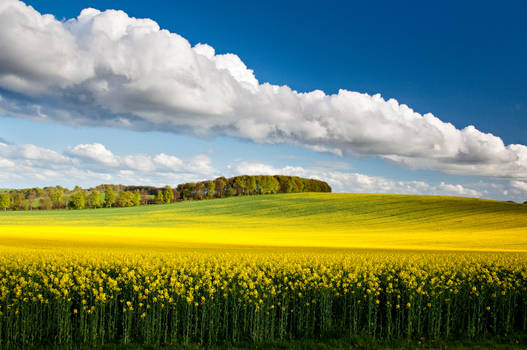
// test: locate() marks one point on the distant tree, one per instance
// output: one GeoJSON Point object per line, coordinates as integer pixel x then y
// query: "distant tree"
{"type": "Point", "coordinates": [251, 185]}
{"type": "Point", "coordinates": [77, 188]}
{"type": "Point", "coordinates": [188, 190]}
{"type": "Point", "coordinates": [285, 183]}
{"type": "Point", "coordinates": [211, 188]}
{"type": "Point", "coordinates": [39, 192]}
{"type": "Point", "coordinates": [31, 200]}
{"type": "Point", "coordinates": [160, 198]}
{"type": "Point", "coordinates": [56, 196]}
{"type": "Point", "coordinates": [221, 183]}
{"type": "Point", "coordinates": [17, 200]}
{"type": "Point", "coordinates": [168, 194]}
{"type": "Point", "coordinates": [298, 185]}
{"type": "Point", "coordinates": [270, 185]}
{"type": "Point", "coordinates": [109, 197]}
{"type": "Point", "coordinates": [94, 200]}
{"type": "Point", "coordinates": [145, 197]}
{"type": "Point", "coordinates": [176, 194]}
{"type": "Point", "coordinates": [239, 185]}
{"type": "Point", "coordinates": [126, 199]}
{"type": "Point", "coordinates": [199, 191]}
{"type": "Point", "coordinates": [45, 203]}
{"type": "Point", "coordinates": [5, 201]}
{"type": "Point", "coordinates": [77, 200]}
{"type": "Point", "coordinates": [136, 198]}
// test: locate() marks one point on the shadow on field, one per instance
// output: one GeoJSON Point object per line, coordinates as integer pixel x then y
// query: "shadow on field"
{"type": "Point", "coordinates": [517, 341]}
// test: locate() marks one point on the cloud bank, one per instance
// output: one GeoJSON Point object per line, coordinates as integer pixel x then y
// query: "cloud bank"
{"type": "Point", "coordinates": [92, 164]}
{"type": "Point", "coordinates": [108, 69]}
{"type": "Point", "coordinates": [355, 182]}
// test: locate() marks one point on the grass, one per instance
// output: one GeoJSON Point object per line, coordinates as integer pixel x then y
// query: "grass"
{"type": "Point", "coordinates": [306, 219]}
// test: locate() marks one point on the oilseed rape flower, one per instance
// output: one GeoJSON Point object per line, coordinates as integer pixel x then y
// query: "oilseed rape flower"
{"type": "Point", "coordinates": [211, 296]}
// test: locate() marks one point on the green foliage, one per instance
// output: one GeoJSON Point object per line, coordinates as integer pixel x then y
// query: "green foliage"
{"type": "Point", "coordinates": [109, 197]}
{"type": "Point", "coordinates": [210, 188]}
{"type": "Point", "coordinates": [220, 184]}
{"type": "Point", "coordinates": [94, 199]}
{"type": "Point", "coordinates": [168, 195]}
{"type": "Point", "coordinates": [249, 185]}
{"type": "Point", "coordinates": [17, 201]}
{"type": "Point", "coordinates": [46, 203]}
{"type": "Point", "coordinates": [160, 197]}
{"type": "Point", "coordinates": [199, 191]}
{"type": "Point", "coordinates": [5, 201]}
{"type": "Point", "coordinates": [221, 187]}
{"type": "Point", "coordinates": [56, 195]}
{"type": "Point", "coordinates": [77, 200]}
{"type": "Point", "coordinates": [129, 199]}
{"type": "Point", "coordinates": [136, 200]}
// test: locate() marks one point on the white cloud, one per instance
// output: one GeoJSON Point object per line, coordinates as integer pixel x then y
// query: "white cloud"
{"type": "Point", "coordinates": [6, 163]}
{"type": "Point", "coordinates": [31, 154]}
{"type": "Point", "coordinates": [459, 190]}
{"type": "Point", "coordinates": [201, 164]}
{"type": "Point", "coordinates": [168, 162]}
{"type": "Point", "coordinates": [92, 164]}
{"type": "Point", "coordinates": [108, 69]}
{"type": "Point", "coordinates": [139, 162]}
{"type": "Point", "coordinates": [519, 185]}
{"type": "Point", "coordinates": [94, 152]}
{"type": "Point", "coordinates": [355, 182]}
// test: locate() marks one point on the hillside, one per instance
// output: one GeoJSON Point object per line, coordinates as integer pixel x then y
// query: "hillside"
{"type": "Point", "coordinates": [303, 219]}
{"type": "Point", "coordinates": [111, 195]}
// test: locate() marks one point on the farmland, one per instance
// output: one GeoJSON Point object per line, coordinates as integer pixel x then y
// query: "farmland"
{"type": "Point", "coordinates": [282, 267]}
{"type": "Point", "coordinates": [308, 219]}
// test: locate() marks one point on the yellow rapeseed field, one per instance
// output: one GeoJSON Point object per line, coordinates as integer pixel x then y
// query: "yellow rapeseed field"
{"type": "Point", "coordinates": [204, 272]}
{"type": "Point", "coordinates": [305, 220]}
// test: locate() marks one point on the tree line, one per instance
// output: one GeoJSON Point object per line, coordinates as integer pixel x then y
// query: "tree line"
{"type": "Point", "coordinates": [108, 195]}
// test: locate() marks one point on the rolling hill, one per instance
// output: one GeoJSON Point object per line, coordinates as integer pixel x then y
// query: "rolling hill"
{"type": "Point", "coordinates": [334, 220]}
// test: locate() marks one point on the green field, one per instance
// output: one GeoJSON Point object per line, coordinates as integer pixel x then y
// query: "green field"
{"type": "Point", "coordinates": [304, 219]}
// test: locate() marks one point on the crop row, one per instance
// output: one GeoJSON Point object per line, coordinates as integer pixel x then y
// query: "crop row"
{"type": "Point", "coordinates": [69, 297]}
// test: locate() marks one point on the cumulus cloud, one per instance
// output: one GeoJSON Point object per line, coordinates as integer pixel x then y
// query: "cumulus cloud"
{"type": "Point", "coordinates": [520, 186]}
{"type": "Point", "coordinates": [459, 190]}
{"type": "Point", "coordinates": [109, 69]}
{"type": "Point", "coordinates": [355, 182]}
{"type": "Point", "coordinates": [31, 154]}
{"type": "Point", "coordinates": [94, 152]}
{"type": "Point", "coordinates": [92, 164]}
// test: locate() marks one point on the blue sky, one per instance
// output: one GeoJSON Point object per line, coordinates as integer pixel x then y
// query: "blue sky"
{"type": "Point", "coordinates": [464, 63]}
